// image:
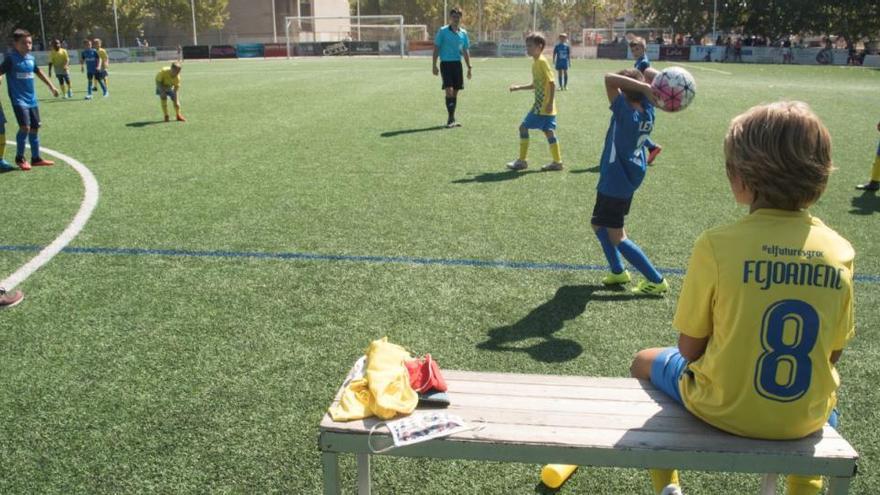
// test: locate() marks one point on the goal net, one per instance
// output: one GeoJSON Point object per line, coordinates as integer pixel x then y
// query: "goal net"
{"type": "Point", "coordinates": [349, 35]}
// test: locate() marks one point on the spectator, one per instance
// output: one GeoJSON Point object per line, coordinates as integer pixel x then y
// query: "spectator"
{"type": "Point", "coordinates": [737, 50]}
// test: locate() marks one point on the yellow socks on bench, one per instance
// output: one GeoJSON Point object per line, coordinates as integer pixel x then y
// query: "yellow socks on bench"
{"type": "Point", "coordinates": [662, 477]}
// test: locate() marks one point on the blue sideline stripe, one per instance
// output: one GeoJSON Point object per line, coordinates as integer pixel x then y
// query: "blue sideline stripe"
{"type": "Point", "coordinates": [518, 265]}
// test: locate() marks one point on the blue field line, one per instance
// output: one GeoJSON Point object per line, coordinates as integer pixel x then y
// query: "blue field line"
{"type": "Point", "coordinates": [405, 260]}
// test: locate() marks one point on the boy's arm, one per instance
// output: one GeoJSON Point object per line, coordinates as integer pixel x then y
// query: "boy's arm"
{"type": "Point", "coordinates": [467, 60]}
{"type": "Point", "coordinates": [692, 348]}
{"type": "Point", "coordinates": [520, 87]}
{"type": "Point", "coordinates": [46, 80]}
{"type": "Point", "coordinates": [614, 83]}
{"type": "Point", "coordinates": [551, 86]}
{"type": "Point", "coordinates": [436, 54]}
{"type": "Point", "coordinates": [835, 356]}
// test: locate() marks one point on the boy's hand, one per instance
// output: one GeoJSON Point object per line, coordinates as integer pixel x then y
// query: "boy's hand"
{"type": "Point", "coordinates": [435, 70]}
{"type": "Point", "coordinates": [469, 73]}
{"type": "Point", "coordinates": [54, 90]}
{"type": "Point", "coordinates": [548, 109]}
{"type": "Point", "coordinates": [654, 99]}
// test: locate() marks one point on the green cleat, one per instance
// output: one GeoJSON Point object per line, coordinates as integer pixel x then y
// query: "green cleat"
{"type": "Point", "coordinates": [651, 289]}
{"type": "Point", "coordinates": [616, 278]}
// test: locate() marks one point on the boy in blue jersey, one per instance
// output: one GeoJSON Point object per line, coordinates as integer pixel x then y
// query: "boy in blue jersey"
{"type": "Point", "coordinates": [4, 165]}
{"type": "Point", "coordinates": [638, 48]}
{"type": "Point", "coordinates": [21, 67]}
{"type": "Point", "coordinates": [874, 183]}
{"type": "Point", "coordinates": [450, 44]}
{"type": "Point", "coordinates": [562, 59]}
{"type": "Point", "coordinates": [88, 63]}
{"type": "Point", "coordinates": [621, 172]}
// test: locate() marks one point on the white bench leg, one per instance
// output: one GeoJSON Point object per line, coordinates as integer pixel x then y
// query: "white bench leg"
{"type": "Point", "coordinates": [768, 484]}
{"type": "Point", "coordinates": [330, 466]}
{"type": "Point", "coordinates": [363, 461]}
{"type": "Point", "coordinates": [838, 486]}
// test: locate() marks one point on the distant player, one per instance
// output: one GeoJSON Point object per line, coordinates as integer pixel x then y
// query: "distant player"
{"type": "Point", "coordinates": [88, 63]}
{"type": "Point", "coordinates": [60, 60]}
{"type": "Point", "coordinates": [21, 67]}
{"type": "Point", "coordinates": [542, 116]}
{"type": "Point", "coordinates": [562, 59]}
{"type": "Point", "coordinates": [4, 165]}
{"type": "Point", "coordinates": [103, 65]}
{"type": "Point", "coordinates": [621, 172]}
{"type": "Point", "coordinates": [168, 86]}
{"type": "Point", "coordinates": [638, 48]}
{"type": "Point", "coordinates": [450, 44]}
{"type": "Point", "coordinates": [874, 183]}
{"type": "Point", "coordinates": [766, 306]}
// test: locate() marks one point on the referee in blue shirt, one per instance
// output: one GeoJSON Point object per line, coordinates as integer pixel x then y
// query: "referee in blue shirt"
{"type": "Point", "coordinates": [450, 44]}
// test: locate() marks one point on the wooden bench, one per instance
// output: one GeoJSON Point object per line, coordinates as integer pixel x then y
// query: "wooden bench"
{"type": "Point", "coordinates": [620, 422]}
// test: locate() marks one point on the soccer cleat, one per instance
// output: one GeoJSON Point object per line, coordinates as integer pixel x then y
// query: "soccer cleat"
{"type": "Point", "coordinates": [616, 278]}
{"type": "Point", "coordinates": [167, 118]}
{"type": "Point", "coordinates": [22, 163]}
{"type": "Point", "coordinates": [518, 165]}
{"type": "Point", "coordinates": [70, 94]}
{"type": "Point", "coordinates": [5, 166]}
{"type": "Point", "coordinates": [40, 162]}
{"type": "Point", "coordinates": [651, 289]}
{"type": "Point", "coordinates": [180, 118]}
{"type": "Point", "coordinates": [88, 97]}
{"type": "Point", "coordinates": [107, 94]}
{"type": "Point", "coordinates": [8, 300]}
{"type": "Point", "coordinates": [671, 489]}
{"type": "Point", "coordinates": [552, 167]}
{"type": "Point", "coordinates": [451, 124]}
{"type": "Point", "coordinates": [872, 185]}
{"type": "Point", "coordinates": [652, 154]}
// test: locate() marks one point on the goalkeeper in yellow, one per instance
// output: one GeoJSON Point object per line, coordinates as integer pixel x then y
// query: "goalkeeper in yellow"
{"type": "Point", "coordinates": [60, 61]}
{"type": "Point", "coordinates": [168, 86]}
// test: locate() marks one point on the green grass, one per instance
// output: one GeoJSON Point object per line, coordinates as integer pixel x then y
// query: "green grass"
{"type": "Point", "coordinates": [203, 374]}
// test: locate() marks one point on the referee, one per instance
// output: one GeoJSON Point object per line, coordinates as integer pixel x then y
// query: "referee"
{"type": "Point", "coordinates": [450, 44]}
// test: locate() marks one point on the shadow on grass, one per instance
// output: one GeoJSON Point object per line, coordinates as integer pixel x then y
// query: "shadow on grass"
{"type": "Point", "coordinates": [495, 176]}
{"type": "Point", "coordinates": [591, 170]}
{"type": "Point", "coordinates": [568, 303]}
{"type": "Point", "coordinates": [866, 204]}
{"type": "Point", "coordinates": [144, 123]}
{"type": "Point", "coordinates": [412, 131]}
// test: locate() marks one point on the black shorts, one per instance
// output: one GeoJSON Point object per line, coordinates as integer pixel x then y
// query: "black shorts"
{"type": "Point", "coordinates": [452, 75]}
{"type": "Point", "coordinates": [101, 75]}
{"type": "Point", "coordinates": [609, 211]}
{"type": "Point", "coordinates": [63, 78]}
{"type": "Point", "coordinates": [27, 117]}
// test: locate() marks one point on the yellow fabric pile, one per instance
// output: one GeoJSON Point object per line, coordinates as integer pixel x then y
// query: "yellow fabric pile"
{"type": "Point", "coordinates": [384, 390]}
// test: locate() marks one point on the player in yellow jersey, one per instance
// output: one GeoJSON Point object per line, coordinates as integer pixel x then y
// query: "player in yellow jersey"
{"type": "Point", "coordinates": [543, 113]}
{"type": "Point", "coordinates": [168, 86]}
{"type": "Point", "coordinates": [103, 64]}
{"type": "Point", "coordinates": [766, 307]}
{"type": "Point", "coordinates": [874, 183]}
{"type": "Point", "coordinates": [60, 60]}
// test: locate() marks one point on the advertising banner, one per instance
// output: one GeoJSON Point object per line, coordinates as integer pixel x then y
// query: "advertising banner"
{"type": "Point", "coordinates": [222, 51]}
{"type": "Point", "coordinates": [701, 53]}
{"type": "Point", "coordinates": [366, 47]}
{"type": "Point", "coordinates": [142, 54]}
{"type": "Point", "coordinates": [612, 50]}
{"type": "Point", "coordinates": [166, 55]}
{"type": "Point", "coordinates": [872, 61]}
{"type": "Point", "coordinates": [275, 50]}
{"type": "Point", "coordinates": [196, 52]}
{"type": "Point", "coordinates": [484, 49]}
{"type": "Point", "coordinates": [421, 48]}
{"type": "Point", "coordinates": [672, 52]}
{"type": "Point", "coordinates": [119, 54]}
{"type": "Point", "coordinates": [512, 49]}
{"type": "Point", "coordinates": [249, 50]}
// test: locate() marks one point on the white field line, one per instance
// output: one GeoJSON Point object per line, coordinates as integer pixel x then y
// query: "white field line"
{"type": "Point", "coordinates": [87, 206]}
{"type": "Point", "coordinates": [694, 66]}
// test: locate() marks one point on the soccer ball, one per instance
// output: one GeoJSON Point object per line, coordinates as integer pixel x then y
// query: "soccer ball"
{"type": "Point", "coordinates": [675, 88]}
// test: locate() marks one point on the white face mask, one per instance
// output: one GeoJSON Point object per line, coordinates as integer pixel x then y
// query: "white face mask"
{"type": "Point", "coordinates": [419, 428]}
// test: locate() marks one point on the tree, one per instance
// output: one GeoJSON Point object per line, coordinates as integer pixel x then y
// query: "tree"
{"type": "Point", "coordinates": [210, 14]}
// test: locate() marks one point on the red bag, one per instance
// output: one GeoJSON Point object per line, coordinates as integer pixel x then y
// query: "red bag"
{"type": "Point", "coordinates": [424, 374]}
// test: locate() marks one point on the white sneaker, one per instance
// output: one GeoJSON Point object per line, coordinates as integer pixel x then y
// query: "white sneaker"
{"type": "Point", "coordinates": [88, 97]}
{"type": "Point", "coordinates": [672, 489]}
{"type": "Point", "coordinates": [552, 167]}
{"type": "Point", "coordinates": [518, 165]}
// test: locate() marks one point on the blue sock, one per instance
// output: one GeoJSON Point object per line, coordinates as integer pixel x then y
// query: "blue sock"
{"type": "Point", "coordinates": [89, 87]}
{"type": "Point", "coordinates": [611, 252]}
{"type": "Point", "coordinates": [103, 86]}
{"type": "Point", "coordinates": [34, 138]}
{"type": "Point", "coordinates": [565, 81]}
{"type": "Point", "coordinates": [636, 257]}
{"type": "Point", "coordinates": [20, 139]}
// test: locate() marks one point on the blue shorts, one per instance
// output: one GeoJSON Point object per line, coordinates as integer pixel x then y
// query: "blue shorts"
{"type": "Point", "coordinates": [542, 122]}
{"type": "Point", "coordinates": [63, 78]}
{"type": "Point", "coordinates": [669, 365]}
{"type": "Point", "coordinates": [27, 116]}
{"type": "Point", "coordinates": [2, 121]}
{"type": "Point", "coordinates": [878, 149]}
{"type": "Point", "coordinates": [562, 64]}
{"type": "Point", "coordinates": [160, 92]}
{"type": "Point", "coordinates": [666, 371]}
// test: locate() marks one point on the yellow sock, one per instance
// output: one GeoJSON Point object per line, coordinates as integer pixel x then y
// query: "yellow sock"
{"type": "Point", "coordinates": [2, 145]}
{"type": "Point", "coordinates": [662, 477]}
{"type": "Point", "coordinates": [875, 170]}
{"type": "Point", "coordinates": [803, 485]}
{"type": "Point", "coordinates": [164, 106]}
{"type": "Point", "coordinates": [523, 148]}
{"type": "Point", "coordinates": [556, 152]}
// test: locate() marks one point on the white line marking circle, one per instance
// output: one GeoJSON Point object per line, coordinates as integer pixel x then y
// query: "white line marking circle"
{"type": "Point", "coordinates": [86, 207]}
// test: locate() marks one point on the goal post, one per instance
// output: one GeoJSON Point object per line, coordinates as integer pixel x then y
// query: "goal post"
{"type": "Point", "coordinates": [338, 30]}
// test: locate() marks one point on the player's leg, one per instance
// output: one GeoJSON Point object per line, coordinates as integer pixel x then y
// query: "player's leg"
{"type": "Point", "coordinates": [22, 116]}
{"type": "Point", "coordinates": [603, 222]}
{"type": "Point", "coordinates": [521, 163]}
{"type": "Point", "coordinates": [89, 84]}
{"type": "Point", "coordinates": [555, 150]}
{"type": "Point", "coordinates": [654, 284]}
{"type": "Point", "coordinates": [874, 183]}
{"type": "Point", "coordinates": [61, 91]}
{"type": "Point", "coordinates": [100, 77]}
{"type": "Point", "coordinates": [163, 98]}
{"type": "Point", "coordinates": [69, 87]}
{"type": "Point", "coordinates": [176, 99]}
{"type": "Point", "coordinates": [663, 366]}
{"type": "Point", "coordinates": [4, 165]}
{"type": "Point", "coordinates": [564, 81]}
{"type": "Point", "coordinates": [34, 139]}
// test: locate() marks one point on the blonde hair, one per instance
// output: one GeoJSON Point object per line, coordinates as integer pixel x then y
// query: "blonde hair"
{"type": "Point", "coordinates": [638, 40]}
{"type": "Point", "coordinates": [781, 152]}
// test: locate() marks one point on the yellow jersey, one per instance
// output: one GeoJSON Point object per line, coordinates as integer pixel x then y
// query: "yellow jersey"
{"type": "Point", "coordinates": [166, 80]}
{"type": "Point", "coordinates": [59, 60]}
{"type": "Point", "coordinates": [542, 76]}
{"type": "Point", "coordinates": [774, 295]}
{"type": "Point", "coordinates": [102, 56]}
